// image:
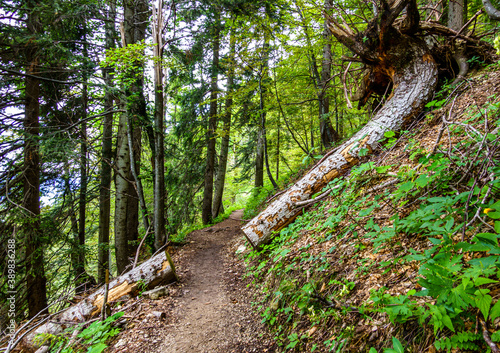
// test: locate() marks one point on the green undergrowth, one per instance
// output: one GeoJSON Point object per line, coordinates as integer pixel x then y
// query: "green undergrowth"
{"type": "Point", "coordinates": [413, 266]}
{"type": "Point", "coordinates": [92, 339]}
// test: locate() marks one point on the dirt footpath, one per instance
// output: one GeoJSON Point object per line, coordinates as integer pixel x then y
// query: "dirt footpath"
{"type": "Point", "coordinates": [213, 312]}
{"type": "Point", "coordinates": [209, 310]}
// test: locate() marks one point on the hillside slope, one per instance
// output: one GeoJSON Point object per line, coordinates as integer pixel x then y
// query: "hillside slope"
{"type": "Point", "coordinates": [404, 251]}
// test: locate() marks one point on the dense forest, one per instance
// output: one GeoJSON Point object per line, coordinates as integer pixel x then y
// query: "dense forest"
{"type": "Point", "coordinates": [126, 125]}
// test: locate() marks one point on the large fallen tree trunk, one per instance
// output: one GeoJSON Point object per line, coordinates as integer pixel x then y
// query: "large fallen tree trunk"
{"type": "Point", "coordinates": [149, 274]}
{"type": "Point", "coordinates": [399, 58]}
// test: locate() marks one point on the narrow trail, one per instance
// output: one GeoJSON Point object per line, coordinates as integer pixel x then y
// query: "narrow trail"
{"type": "Point", "coordinates": [209, 310]}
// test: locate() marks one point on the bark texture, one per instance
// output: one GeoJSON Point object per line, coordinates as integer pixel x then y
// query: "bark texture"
{"type": "Point", "coordinates": [123, 176]}
{"type": "Point", "coordinates": [127, 199]}
{"type": "Point", "coordinates": [414, 76]}
{"type": "Point", "coordinates": [151, 273]}
{"type": "Point", "coordinates": [35, 274]}
{"type": "Point", "coordinates": [107, 154]}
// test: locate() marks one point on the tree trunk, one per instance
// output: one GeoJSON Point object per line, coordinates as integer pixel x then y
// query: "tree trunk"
{"type": "Point", "coordinates": [328, 134]}
{"type": "Point", "coordinates": [159, 165]}
{"type": "Point", "coordinates": [259, 160]}
{"type": "Point", "coordinates": [149, 274]}
{"type": "Point", "coordinates": [35, 273]}
{"type": "Point", "coordinates": [127, 199]}
{"type": "Point", "coordinates": [137, 180]}
{"type": "Point", "coordinates": [456, 20]}
{"type": "Point", "coordinates": [122, 181]}
{"type": "Point", "coordinates": [212, 126]}
{"type": "Point", "coordinates": [264, 75]}
{"type": "Point", "coordinates": [81, 274]}
{"type": "Point", "coordinates": [107, 138]}
{"type": "Point", "coordinates": [226, 132]}
{"type": "Point", "coordinates": [414, 76]}
{"type": "Point", "coordinates": [263, 133]}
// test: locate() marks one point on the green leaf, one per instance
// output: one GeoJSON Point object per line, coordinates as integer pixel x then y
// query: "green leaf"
{"type": "Point", "coordinates": [372, 350]}
{"type": "Point", "coordinates": [382, 169]}
{"type": "Point", "coordinates": [422, 180]}
{"type": "Point", "coordinates": [481, 280]}
{"type": "Point", "coordinates": [483, 301]}
{"type": "Point", "coordinates": [495, 311]}
{"type": "Point", "coordinates": [98, 348]}
{"type": "Point", "coordinates": [496, 336]}
{"type": "Point", "coordinates": [406, 186]}
{"type": "Point", "coordinates": [497, 226]}
{"type": "Point", "coordinates": [496, 206]}
{"type": "Point", "coordinates": [363, 151]}
{"type": "Point", "coordinates": [397, 345]}
{"type": "Point", "coordinates": [494, 215]}
{"type": "Point", "coordinates": [447, 322]}
{"type": "Point", "coordinates": [389, 134]}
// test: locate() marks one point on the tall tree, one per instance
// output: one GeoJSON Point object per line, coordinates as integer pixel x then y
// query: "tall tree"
{"type": "Point", "coordinates": [127, 199]}
{"type": "Point", "coordinates": [226, 129]}
{"type": "Point", "coordinates": [328, 134]}
{"type": "Point", "coordinates": [159, 165]}
{"type": "Point", "coordinates": [262, 141]}
{"type": "Point", "coordinates": [80, 272]}
{"type": "Point", "coordinates": [35, 272]}
{"type": "Point", "coordinates": [321, 81]}
{"type": "Point", "coordinates": [106, 151]}
{"type": "Point", "coordinates": [206, 214]}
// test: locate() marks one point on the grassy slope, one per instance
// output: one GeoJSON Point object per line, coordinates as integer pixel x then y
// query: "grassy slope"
{"type": "Point", "coordinates": [377, 261]}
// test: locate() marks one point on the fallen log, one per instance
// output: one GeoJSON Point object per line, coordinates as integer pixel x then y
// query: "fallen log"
{"type": "Point", "coordinates": [148, 275]}
{"type": "Point", "coordinates": [414, 77]}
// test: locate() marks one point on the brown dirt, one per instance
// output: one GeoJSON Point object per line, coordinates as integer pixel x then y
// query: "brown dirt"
{"type": "Point", "coordinates": [209, 310]}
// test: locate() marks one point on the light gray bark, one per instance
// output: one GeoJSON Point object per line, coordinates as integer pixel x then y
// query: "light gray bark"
{"type": "Point", "coordinates": [414, 83]}
{"type": "Point", "coordinates": [149, 274]}
{"type": "Point", "coordinates": [122, 179]}
{"type": "Point", "coordinates": [491, 10]}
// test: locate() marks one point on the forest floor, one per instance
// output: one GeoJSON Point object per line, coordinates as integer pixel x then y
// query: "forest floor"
{"type": "Point", "coordinates": [208, 310]}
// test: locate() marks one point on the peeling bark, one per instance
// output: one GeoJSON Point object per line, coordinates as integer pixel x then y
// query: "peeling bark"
{"type": "Point", "coordinates": [414, 75]}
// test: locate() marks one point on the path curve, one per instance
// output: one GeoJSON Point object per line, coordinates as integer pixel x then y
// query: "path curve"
{"type": "Point", "coordinates": [212, 312]}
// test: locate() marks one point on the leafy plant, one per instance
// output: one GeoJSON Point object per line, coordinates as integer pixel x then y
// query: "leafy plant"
{"type": "Point", "coordinates": [93, 338]}
{"type": "Point", "coordinates": [397, 347]}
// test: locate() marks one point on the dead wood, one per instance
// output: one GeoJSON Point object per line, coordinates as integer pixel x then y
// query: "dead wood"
{"type": "Point", "coordinates": [149, 274]}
